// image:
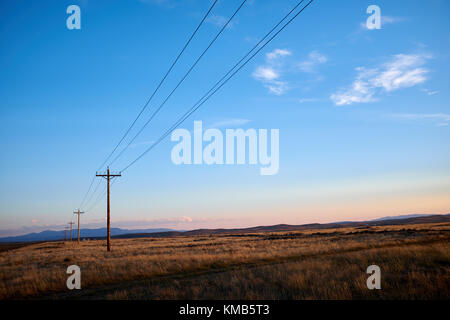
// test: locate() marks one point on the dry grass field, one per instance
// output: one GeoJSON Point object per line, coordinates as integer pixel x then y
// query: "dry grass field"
{"type": "Point", "coordinates": [313, 264]}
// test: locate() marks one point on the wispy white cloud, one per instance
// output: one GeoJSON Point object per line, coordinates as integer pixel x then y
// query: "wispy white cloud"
{"type": "Point", "coordinates": [180, 222]}
{"type": "Point", "coordinates": [438, 119]}
{"type": "Point", "coordinates": [268, 76]}
{"type": "Point", "coordinates": [151, 223]}
{"type": "Point", "coordinates": [163, 3]}
{"type": "Point", "coordinates": [230, 123]}
{"type": "Point", "coordinates": [363, 32]}
{"type": "Point", "coordinates": [391, 19]}
{"type": "Point", "coordinates": [314, 59]}
{"type": "Point", "coordinates": [385, 20]}
{"type": "Point", "coordinates": [360, 91]}
{"type": "Point", "coordinates": [220, 21]}
{"type": "Point", "coordinates": [401, 71]}
{"type": "Point", "coordinates": [305, 100]}
{"type": "Point", "coordinates": [277, 53]}
{"type": "Point", "coordinates": [430, 92]}
{"type": "Point", "coordinates": [270, 73]}
{"type": "Point", "coordinates": [277, 87]}
{"type": "Point", "coordinates": [273, 73]}
{"type": "Point", "coordinates": [251, 39]}
{"type": "Point", "coordinates": [265, 73]}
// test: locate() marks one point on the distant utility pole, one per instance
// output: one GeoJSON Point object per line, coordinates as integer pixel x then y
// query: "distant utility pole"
{"type": "Point", "coordinates": [71, 223]}
{"type": "Point", "coordinates": [78, 213]}
{"type": "Point", "coordinates": [108, 177]}
{"type": "Point", "coordinates": [65, 232]}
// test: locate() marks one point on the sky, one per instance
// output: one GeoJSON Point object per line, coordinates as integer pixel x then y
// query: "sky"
{"type": "Point", "coordinates": [363, 115]}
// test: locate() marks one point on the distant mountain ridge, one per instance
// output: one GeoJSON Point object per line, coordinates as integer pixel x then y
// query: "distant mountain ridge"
{"type": "Point", "coordinates": [287, 227]}
{"type": "Point", "coordinates": [162, 232]}
{"type": "Point", "coordinates": [49, 235]}
{"type": "Point", "coordinates": [406, 216]}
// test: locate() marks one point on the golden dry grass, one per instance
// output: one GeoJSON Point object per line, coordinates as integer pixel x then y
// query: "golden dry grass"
{"type": "Point", "coordinates": [313, 264]}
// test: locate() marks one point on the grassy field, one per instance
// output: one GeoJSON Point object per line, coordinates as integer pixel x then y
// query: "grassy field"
{"type": "Point", "coordinates": [313, 264]}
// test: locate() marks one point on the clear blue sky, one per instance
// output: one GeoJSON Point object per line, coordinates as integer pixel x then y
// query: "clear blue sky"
{"type": "Point", "coordinates": [364, 115]}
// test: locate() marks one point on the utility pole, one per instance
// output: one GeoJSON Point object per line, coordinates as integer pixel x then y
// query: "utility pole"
{"type": "Point", "coordinates": [65, 233]}
{"type": "Point", "coordinates": [108, 176]}
{"type": "Point", "coordinates": [78, 213]}
{"type": "Point", "coordinates": [71, 223]}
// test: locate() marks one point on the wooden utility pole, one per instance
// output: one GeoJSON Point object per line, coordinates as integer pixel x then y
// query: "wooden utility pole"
{"type": "Point", "coordinates": [65, 232]}
{"type": "Point", "coordinates": [108, 176]}
{"type": "Point", "coordinates": [78, 213]}
{"type": "Point", "coordinates": [71, 223]}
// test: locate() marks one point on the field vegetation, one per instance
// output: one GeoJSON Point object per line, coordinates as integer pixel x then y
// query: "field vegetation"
{"type": "Point", "coordinates": [311, 264]}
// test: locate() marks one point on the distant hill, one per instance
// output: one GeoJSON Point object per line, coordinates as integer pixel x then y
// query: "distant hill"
{"type": "Point", "coordinates": [146, 233]}
{"type": "Point", "coordinates": [286, 227]}
{"type": "Point", "coordinates": [49, 235]}
{"type": "Point", "coordinates": [406, 216]}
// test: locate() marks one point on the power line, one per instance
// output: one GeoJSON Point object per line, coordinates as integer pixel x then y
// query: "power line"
{"type": "Point", "coordinates": [89, 189]}
{"type": "Point", "coordinates": [97, 201]}
{"type": "Point", "coordinates": [179, 83]}
{"type": "Point", "coordinates": [209, 94]}
{"type": "Point", "coordinates": [159, 85]}
{"type": "Point", "coordinates": [100, 197]}
{"type": "Point", "coordinates": [93, 193]}
{"type": "Point", "coordinates": [151, 97]}
{"type": "Point", "coordinates": [199, 103]}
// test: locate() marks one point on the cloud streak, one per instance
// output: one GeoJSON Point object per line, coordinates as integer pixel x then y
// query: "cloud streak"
{"type": "Point", "coordinates": [277, 53]}
{"type": "Point", "coordinates": [439, 119]}
{"type": "Point", "coordinates": [314, 59]}
{"type": "Point", "coordinates": [270, 73]}
{"type": "Point", "coordinates": [164, 3]}
{"type": "Point", "coordinates": [385, 20]}
{"type": "Point", "coordinates": [401, 71]}
{"type": "Point", "coordinates": [220, 21]}
{"type": "Point", "coordinates": [179, 223]}
{"type": "Point", "coordinates": [230, 123]}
